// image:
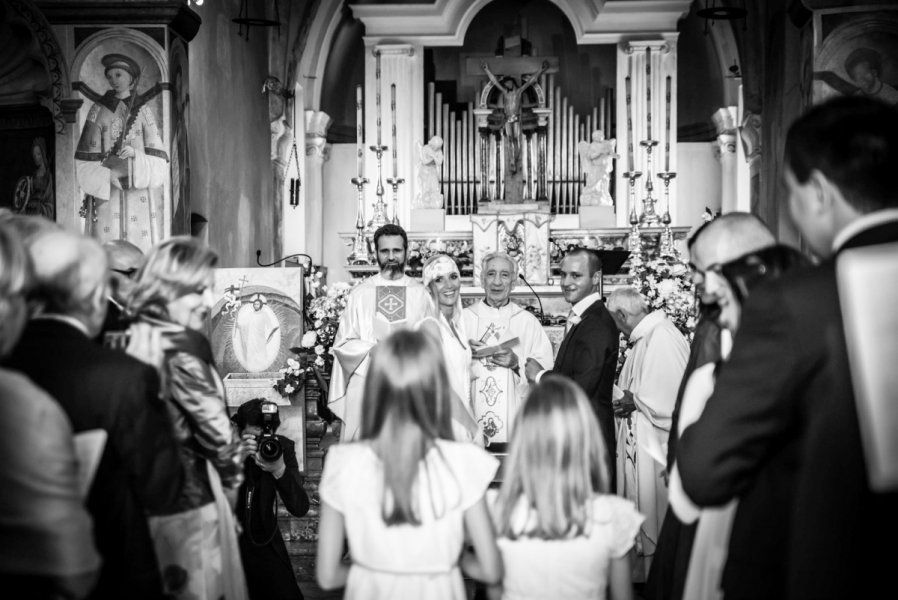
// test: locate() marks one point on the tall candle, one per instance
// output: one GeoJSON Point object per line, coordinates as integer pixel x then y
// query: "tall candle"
{"type": "Point", "coordinates": [377, 95]}
{"type": "Point", "coordinates": [648, 91]}
{"type": "Point", "coordinates": [393, 117]}
{"type": "Point", "coordinates": [359, 142]}
{"type": "Point", "coordinates": [667, 127]}
{"type": "Point", "coordinates": [629, 128]}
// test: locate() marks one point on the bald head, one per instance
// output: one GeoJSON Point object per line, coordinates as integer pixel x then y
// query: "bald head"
{"type": "Point", "coordinates": [123, 255]}
{"type": "Point", "coordinates": [728, 237]}
{"type": "Point", "coordinates": [71, 276]}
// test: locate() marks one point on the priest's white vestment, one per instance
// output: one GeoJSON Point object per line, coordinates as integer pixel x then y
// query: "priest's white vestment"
{"type": "Point", "coordinates": [652, 372]}
{"type": "Point", "coordinates": [497, 391]}
{"type": "Point", "coordinates": [374, 309]}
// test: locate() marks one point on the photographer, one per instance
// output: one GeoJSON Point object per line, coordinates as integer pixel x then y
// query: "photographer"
{"type": "Point", "coordinates": [271, 469]}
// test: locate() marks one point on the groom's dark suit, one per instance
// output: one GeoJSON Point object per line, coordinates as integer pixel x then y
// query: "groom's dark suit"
{"type": "Point", "coordinates": [781, 434]}
{"type": "Point", "coordinates": [139, 471]}
{"type": "Point", "coordinates": [588, 355]}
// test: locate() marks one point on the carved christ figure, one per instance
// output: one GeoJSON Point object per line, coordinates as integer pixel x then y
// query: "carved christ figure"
{"type": "Point", "coordinates": [511, 94]}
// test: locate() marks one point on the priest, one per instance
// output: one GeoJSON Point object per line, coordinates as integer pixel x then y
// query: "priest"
{"type": "Point", "coordinates": [375, 308]}
{"type": "Point", "coordinates": [504, 337]}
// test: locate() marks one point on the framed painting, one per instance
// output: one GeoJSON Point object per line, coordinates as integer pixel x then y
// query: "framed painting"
{"type": "Point", "coordinates": [856, 53]}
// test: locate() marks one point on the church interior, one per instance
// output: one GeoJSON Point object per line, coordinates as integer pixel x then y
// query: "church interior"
{"type": "Point", "coordinates": [284, 132]}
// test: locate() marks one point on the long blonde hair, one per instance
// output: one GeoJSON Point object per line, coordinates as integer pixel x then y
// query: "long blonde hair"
{"type": "Point", "coordinates": [406, 408]}
{"type": "Point", "coordinates": [556, 464]}
{"type": "Point", "coordinates": [174, 268]}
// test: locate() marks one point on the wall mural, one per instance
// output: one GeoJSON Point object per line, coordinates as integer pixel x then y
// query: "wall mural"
{"type": "Point", "coordinates": [858, 55]}
{"type": "Point", "coordinates": [121, 160]}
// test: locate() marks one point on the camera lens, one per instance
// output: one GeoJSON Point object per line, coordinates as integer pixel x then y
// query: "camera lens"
{"type": "Point", "coordinates": [270, 448]}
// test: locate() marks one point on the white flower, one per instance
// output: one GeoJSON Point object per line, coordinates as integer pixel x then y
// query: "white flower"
{"type": "Point", "coordinates": [667, 287]}
{"type": "Point", "coordinates": [292, 363]}
{"type": "Point", "coordinates": [319, 361]}
{"type": "Point", "coordinates": [289, 388]}
{"type": "Point", "coordinates": [319, 349]}
{"type": "Point", "coordinates": [308, 339]}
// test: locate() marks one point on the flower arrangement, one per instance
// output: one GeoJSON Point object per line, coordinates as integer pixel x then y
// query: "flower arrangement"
{"type": "Point", "coordinates": [664, 281]}
{"type": "Point", "coordinates": [460, 250]}
{"type": "Point", "coordinates": [324, 305]}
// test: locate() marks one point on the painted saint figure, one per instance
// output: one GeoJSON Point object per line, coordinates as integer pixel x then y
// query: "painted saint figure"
{"type": "Point", "coordinates": [34, 193]}
{"type": "Point", "coordinates": [596, 158]}
{"type": "Point", "coordinates": [120, 160]}
{"type": "Point", "coordinates": [511, 94]}
{"type": "Point", "coordinates": [257, 335]}
{"type": "Point", "coordinates": [431, 159]}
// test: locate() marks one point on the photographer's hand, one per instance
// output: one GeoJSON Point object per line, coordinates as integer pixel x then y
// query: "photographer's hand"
{"type": "Point", "coordinates": [251, 448]}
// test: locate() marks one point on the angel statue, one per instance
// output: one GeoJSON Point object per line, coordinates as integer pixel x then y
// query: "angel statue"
{"type": "Point", "coordinates": [597, 160]}
{"type": "Point", "coordinates": [430, 157]}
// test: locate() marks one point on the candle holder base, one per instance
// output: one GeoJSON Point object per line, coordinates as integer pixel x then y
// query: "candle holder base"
{"type": "Point", "coordinates": [379, 218]}
{"type": "Point", "coordinates": [395, 183]}
{"type": "Point", "coordinates": [360, 254]}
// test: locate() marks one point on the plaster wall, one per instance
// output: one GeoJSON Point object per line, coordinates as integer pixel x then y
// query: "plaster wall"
{"type": "Point", "coordinates": [698, 182]}
{"type": "Point", "coordinates": [231, 177]}
{"type": "Point", "coordinates": [340, 200]}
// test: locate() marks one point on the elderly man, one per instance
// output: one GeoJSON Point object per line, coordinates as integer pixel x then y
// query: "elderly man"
{"type": "Point", "coordinates": [497, 322]}
{"type": "Point", "coordinates": [644, 404]}
{"type": "Point", "coordinates": [781, 431]}
{"type": "Point", "coordinates": [383, 303]}
{"type": "Point", "coordinates": [140, 470]}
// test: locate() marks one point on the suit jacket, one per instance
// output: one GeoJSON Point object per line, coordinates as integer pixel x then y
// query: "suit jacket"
{"type": "Point", "coordinates": [139, 472]}
{"type": "Point", "coordinates": [781, 433]}
{"type": "Point", "coordinates": [588, 355]}
{"type": "Point", "coordinates": [269, 572]}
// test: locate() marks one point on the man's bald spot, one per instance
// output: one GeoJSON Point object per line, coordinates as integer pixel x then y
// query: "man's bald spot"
{"type": "Point", "coordinates": [123, 255]}
{"type": "Point", "coordinates": [75, 261]}
{"type": "Point", "coordinates": [730, 236]}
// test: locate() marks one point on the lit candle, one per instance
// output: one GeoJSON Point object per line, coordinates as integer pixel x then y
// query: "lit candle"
{"type": "Point", "coordinates": [667, 132]}
{"type": "Point", "coordinates": [359, 142]}
{"type": "Point", "coordinates": [629, 128]}
{"type": "Point", "coordinates": [648, 91]}
{"type": "Point", "coordinates": [377, 95]}
{"type": "Point", "coordinates": [393, 119]}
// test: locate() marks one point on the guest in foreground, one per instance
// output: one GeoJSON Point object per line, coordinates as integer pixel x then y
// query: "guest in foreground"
{"type": "Point", "coordinates": [46, 535]}
{"type": "Point", "coordinates": [588, 353]}
{"type": "Point", "coordinates": [124, 260]}
{"type": "Point", "coordinates": [107, 394]}
{"type": "Point", "coordinates": [383, 303]}
{"type": "Point", "coordinates": [268, 475]}
{"type": "Point", "coordinates": [494, 321]}
{"type": "Point", "coordinates": [406, 496]}
{"type": "Point", "coordinates": [648, 387]}
{"type": "Point", "coordinates": [729, 283]}
{"type": "Point", "coordinates": [561, 533]}
{"type": "Point", "coordinates": [781, 430]}
{"type": "Point", "coordinates": [197, 541]}
{"type": "Point", "coordinates": [442, 281]}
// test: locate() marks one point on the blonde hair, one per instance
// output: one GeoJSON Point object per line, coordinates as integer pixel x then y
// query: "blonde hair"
{"type": "Point", "coordinates": [406, 408]}
{"type": "Point", "coordinates": [557, 463]}
{"type": "Point", "coordinates": [173, 268]}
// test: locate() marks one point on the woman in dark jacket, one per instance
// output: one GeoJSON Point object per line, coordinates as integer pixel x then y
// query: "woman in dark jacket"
{"type": "Point", "coordinates": [197, 546]}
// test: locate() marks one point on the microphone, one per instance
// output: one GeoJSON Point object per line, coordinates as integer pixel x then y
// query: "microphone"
{"type": "Point", "coordinates": [542, 315]}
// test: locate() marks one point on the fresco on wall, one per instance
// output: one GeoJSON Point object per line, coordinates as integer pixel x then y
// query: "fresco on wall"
{"type": "Point", "coordinates": [34, 192]}
{"type": "Point", "coordinates": [121, 160]}
{"type": "Point", "coordinates": [858, 55]}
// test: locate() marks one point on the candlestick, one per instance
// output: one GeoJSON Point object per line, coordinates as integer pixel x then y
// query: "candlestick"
{"type": "Point", "coordinates": [377, 93]}
{"type": "Point", "coordinates": [629, 127]}
{"type": "Point", "coordinates": [394, 182]}
{"type": "Point", "coordinates": [359, 254]}
{"type": "Point", "coordinates": [667, 234]}
{"type": "Point", "coordinates": [648, 91]}
{"type": "Point", "coordinates": [393, 118]}
{"type": "Point", "coordinates": [667, 129]}
{"type": "Point", "coordinates": [380, 214]}
{"type": "Point", "coordinates": [359, 143]}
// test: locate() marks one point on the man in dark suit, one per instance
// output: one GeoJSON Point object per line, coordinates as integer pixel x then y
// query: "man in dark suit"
{"type": "Point", "coordinates": [139, 470]}
{"type": "Point", "coordinates": [781, 431]}
{"type": "Point", "coordinates": [269, 573]}
{"type": "Point", "coordinates": [588, 353]}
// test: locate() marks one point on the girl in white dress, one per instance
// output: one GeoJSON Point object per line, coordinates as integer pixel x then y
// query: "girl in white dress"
{"type": "Point", "coordinates": [405, 496]}
{"type": "Point", "coordinates": [560, 534]}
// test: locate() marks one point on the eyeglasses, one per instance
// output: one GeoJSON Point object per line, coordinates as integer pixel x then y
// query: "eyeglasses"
{"type": "Point", "coordinates": [716, 268]}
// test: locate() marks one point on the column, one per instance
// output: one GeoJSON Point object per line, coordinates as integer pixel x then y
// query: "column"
{"type": "Point", "coordinates": [750, 174]}
{"type": "Point", "coordinates": [725, 122]}
{"type": "Point", "coordinates": [317, 151]}
{"type": "Point", "coordinates": [403, 65]}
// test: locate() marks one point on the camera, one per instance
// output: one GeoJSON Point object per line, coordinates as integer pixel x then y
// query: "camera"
{"type": "Point", "coordinates": [270, 448]}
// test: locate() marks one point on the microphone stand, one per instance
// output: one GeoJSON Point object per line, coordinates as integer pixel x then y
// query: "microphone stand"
{"type": "Point", "coordinates": [542, 314]}
{"type": "Point", "coordinates": [305, 269]}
